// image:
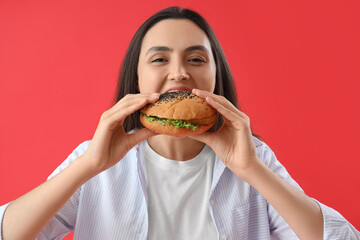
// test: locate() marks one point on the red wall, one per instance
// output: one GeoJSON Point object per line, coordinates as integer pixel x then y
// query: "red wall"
{"type": "Point", "coordinates": [296, 65]}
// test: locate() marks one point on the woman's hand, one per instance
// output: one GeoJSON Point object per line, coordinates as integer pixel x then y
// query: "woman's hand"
{"type": "Point", "coordinates": [27, 215]}
{"type": "Point", "coordinates": [110, 142]}
{"type": "Point", "coordinates": [234, 145]}
{"type": "Point", "coordinates": [233, 142]}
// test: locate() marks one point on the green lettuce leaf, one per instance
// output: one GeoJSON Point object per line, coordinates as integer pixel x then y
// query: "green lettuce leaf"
{"type": "Point", "coordinates": [176, 123]}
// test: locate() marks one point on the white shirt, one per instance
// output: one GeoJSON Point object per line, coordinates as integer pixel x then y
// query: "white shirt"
{"type": "Point", "coordinates": [178, 196]}
{"type": "Point", "coordinates": [113, 204]}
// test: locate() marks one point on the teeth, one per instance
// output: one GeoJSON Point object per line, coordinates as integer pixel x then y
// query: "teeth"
{"type": "Point", "coordinates": [174, 91]}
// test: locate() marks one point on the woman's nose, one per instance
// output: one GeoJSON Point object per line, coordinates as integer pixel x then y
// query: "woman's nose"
{"type": "Point", "coordinates": [178, 72]}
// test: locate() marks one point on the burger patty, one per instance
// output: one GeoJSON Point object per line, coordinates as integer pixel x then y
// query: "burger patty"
{"type": "Point", "coordinates": [203, 121]}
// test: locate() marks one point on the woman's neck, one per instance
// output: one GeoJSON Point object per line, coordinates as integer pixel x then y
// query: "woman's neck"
{"type": "Point", "coordinates": [175, 148]}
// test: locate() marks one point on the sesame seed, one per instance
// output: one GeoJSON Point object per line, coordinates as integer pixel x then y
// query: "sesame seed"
{"type": "Point", "coordinates": [176, 95]}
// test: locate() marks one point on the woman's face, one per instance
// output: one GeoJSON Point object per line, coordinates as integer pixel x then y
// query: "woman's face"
{"type": "Point", "coordinates": [175, 55]}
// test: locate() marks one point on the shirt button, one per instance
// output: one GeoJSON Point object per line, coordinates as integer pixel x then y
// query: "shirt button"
{"type": "Point", "coordinates": [212, 202]}
{"type": "Point", "coordinates": [223, 237]}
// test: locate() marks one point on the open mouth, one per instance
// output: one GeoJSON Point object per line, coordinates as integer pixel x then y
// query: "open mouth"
{"type": "Point", "coordinates": [176, 89]}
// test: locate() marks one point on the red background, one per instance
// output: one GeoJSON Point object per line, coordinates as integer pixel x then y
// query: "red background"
{"type": "Point", "coordinates": [296, 65]}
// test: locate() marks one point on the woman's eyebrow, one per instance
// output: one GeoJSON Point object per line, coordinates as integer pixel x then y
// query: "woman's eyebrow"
{"type": "Point", "coordinates": [197, 48]}
{"type": "Point", "coordinates": [158, 49]}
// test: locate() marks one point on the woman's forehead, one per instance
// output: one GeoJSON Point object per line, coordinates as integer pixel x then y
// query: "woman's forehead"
{"type": "Point", "coordinates": [175, 33]}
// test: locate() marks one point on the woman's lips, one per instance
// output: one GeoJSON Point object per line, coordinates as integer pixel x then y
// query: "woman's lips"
{"type": "Point", "coordinates": [179, 89]}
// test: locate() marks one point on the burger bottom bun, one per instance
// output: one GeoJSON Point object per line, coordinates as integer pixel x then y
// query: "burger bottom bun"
{"type": "Point", "coordinates": [171, 130]}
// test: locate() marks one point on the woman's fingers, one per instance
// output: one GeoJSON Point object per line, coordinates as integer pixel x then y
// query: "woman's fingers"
{"type": "Point", "coordinates": [110, 142]}
{"type": "Point", "coordinates": [229, 112]}
{"type": "Point", "coordinates": [225, 112]}
{"type": "Point", "coordinates": [236, 121]}
{"type": "Point", "coordinates": [127, 106]}
{"type": "Point", "coordinates": [220, 99]}
{"type": "Point", "coordinates": [138, 100]}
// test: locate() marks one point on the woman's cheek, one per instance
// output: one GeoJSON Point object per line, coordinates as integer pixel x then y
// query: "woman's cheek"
{"type": "Point", "coordinates": [207, 82]}
{"type": "Point", "coordinates": [150, 84]}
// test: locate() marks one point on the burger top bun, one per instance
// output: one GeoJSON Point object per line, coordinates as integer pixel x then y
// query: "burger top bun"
{"type": "Point", "coordinates": [179, 105]}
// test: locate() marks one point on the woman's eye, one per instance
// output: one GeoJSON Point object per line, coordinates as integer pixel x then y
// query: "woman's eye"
{"type": "Point", "coordinates": [158, 60]}
{"type": "Point", "coordinates": [197, 60]}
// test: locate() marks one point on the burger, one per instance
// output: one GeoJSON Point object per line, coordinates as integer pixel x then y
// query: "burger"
{"type": "Point", "coordinates": [178, 113]}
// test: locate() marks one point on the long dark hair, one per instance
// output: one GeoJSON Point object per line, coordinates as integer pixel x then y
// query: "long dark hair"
{"type": "Point", "coordinates": [128, 74]}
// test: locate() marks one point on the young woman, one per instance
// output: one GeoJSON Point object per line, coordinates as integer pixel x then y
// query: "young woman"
{"type": "Point", "coordinates": [130, 183]}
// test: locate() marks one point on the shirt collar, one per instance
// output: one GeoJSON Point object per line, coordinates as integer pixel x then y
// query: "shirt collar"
{"type": "Point", "coordinates": [219, 168]}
